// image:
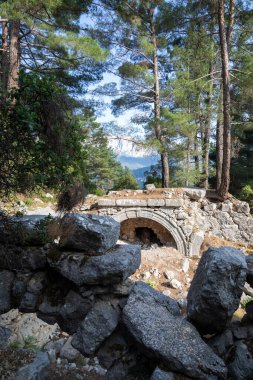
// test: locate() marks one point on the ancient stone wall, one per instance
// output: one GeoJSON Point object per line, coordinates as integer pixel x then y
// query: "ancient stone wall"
{"type": "Point", "coordinates": [82, 283]}
{"type": "Point", "coordinates": [187, 214]}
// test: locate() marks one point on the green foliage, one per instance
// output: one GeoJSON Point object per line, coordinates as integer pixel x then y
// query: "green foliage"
{"type": "Point", "coordinates": [125, 180]}
{"type": "Point", "coordinates": [246, 301]}
{"type": "Point", "coordinates": [154, 176]}
{"type": "Point", "coordinates": [30, 343]}
{"type": "Point", "coordinates": [151, 283]}
{"type": "Point", "coordinates": [246, 194]}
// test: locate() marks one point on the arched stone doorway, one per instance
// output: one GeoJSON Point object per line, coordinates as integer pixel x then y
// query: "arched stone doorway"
{"type": "Point", "coordinates": [143, 215]}
{"type": "Point", "coordinates": [146, 231]}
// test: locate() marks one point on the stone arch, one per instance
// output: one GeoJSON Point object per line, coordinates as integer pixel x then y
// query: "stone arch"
{"type": "Point", "coordinates": [160, 218]}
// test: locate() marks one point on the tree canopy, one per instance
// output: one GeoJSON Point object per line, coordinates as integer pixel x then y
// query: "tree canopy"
{"type": "Point", "coordinates": [185, 70]}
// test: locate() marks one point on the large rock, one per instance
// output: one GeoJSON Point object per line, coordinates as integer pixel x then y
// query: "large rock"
{"type": "Point", "coordinates": [25, 230]}
{"type": "Point", "coordinates": [195, 193]}
{"type": "Point", "coordinates": [33, 294]}
{"type": "Point", "coordinates": [37, 370]}
{"type": "Point", "coordinates": [98, 325]}
{"type": "Point", "coordinates": [249, 260]}
{"type": "Point", "coordinates": [159, 374]}
{"type": "Point", "coordinates": [240, 365]}
{"type": "Point", "coordinates": [170, 338]}
{"type": "Point", "coordinates": [5, 334]}
{"type": "Point", "coordinates": [14, 257]}
{"type": "Point", "coordinates": [6, 281]}
{"type": "Point", "coordinates": [216, 288]}
{"type": "Point", "coordinates": [92, 234]}
{"type": "Point", "coordinates": [69, 352]}
{"type": "Point", "coordinates": [141, 291]}
{"type": "Point", "coordinates": [113, 267]}
{"type": "Point", "coordinates": [73, 311]}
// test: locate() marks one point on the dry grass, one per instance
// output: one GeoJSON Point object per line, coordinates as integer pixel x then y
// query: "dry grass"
{"type": "Point", "coordinates": [215, 241]}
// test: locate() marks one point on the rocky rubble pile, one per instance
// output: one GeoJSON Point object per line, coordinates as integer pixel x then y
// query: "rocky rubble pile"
{"type": "Point", "coordinates": [81, 282]}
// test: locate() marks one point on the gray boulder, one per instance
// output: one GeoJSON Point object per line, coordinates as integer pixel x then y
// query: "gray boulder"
{"type": "Point", "coordinates": [5, 333]}
{"type": "Point", "coordinates": [142, 291]}
{"type": "Point", "coordinates": [92, 234]}
{"type": "Point", "coordinates": [249, 260]}
{"type": "Point", "coordinates": [19, 287]}
{"type": "Point", "coordinates": [159, 374]}
{"type": "Point", "coordinates": [14, 257]}
{"type": "Point", "coordinates": [6, 281]}
{"type": "Point", "coordinates": [171, 339]}
{"type": "Point", "coordinates": [73, 311]}
{"type": "Point", "coordinates": [240, 364]}
{"type": "Point", "coordinates": [24, 230]}
{"type": "Point", "coordinates": [113, 267]}
{"type": "Point", "coordinates": [33, 292]}
{"type": "Point", "coordinates": [222, 343]}
{"type": "Point", "coordinates": [98, 325]}
{"type": "Point", "coordinates": [37, 370]}
{"type": "Point", "coordinates": [69, 352]}
{"type": "Point", "coordinates": [216, 289]}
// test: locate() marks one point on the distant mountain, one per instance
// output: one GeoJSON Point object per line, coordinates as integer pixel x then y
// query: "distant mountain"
{"type": "Point", "coordinates": [138, 166]}
{"type": "Point", "coordinates": [140, 176]}
{"type": "Point", "coordinates": [138, 162]}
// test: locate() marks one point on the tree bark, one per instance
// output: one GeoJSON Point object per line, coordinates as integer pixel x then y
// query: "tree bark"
{"type": "Point", "coordinates": [225, 175]}
{"type": "Point", "coordinates": [219, 142]}
{"type": "Point", "coordinates": [157, 107]}
{"type": "Point", "coordinates": [207, 131]}
{"type": "Point", "coordinates": [14, 56]}
{"type": "Point", "coordinates": [4, 58]}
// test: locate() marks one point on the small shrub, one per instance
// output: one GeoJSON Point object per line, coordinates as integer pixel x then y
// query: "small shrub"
{"type": "Point", "coordinates": [151, 283]}
{"type": "Point", "coordinates": [15, 345]}
{"type": "Point", "coordinates": [31, 344]}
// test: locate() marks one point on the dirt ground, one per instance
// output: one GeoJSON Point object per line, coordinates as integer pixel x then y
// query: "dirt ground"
{"type": "Point", "coordinates": [155, 262]}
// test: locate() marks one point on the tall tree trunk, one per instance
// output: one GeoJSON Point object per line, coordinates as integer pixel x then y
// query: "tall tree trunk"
{"type": "Point", "coordinates": [207, 132]}
{"type": "Point", "coordinates": [219, 141]}
{"type": "Point", "coordinates": [225, 176]}
{"type": "Point", "coordinates": [4, 56]}
{"type": "Point", "coordinates": [14, 56]}
{"type": "Point", "coordinates": [188, 161]}
{"type": "Point", "coordinates": [219, 126]}
{"type": "Point", "coordinates": [196, 153]}
{"type": "Point", "coordinates": [157, 107]}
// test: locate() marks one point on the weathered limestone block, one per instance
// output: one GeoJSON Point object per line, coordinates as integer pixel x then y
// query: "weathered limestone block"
{"type": "Point", "coordinates": [131, 202]}
{"type": "Point", "coordinates": [113, 267]}
{"type": "Point", "coordinates": [156, 202]}
{"type": "Point", "coordinates": [170, 338]}
{"type": "Point", "coordinates": [106, 202]}
{"type": "Point", "coordinates": [227, 207]}
{"type": "Point", "coordinates": [88, 233]}
{"type": "Point", "coordinates": [216, 288]}
{"type": "Point", "coordinates": [174, 202]}
{"type": "Point", "coordinates": [195, 194]}
{"type": "Point", "coordinates": [210, 207]}
{"type": "Point", "coordinates": [243, 207]}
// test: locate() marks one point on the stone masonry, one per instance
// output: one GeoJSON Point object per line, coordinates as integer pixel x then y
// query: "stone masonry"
{"type": "Point", "coordinates": [188, 215]}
